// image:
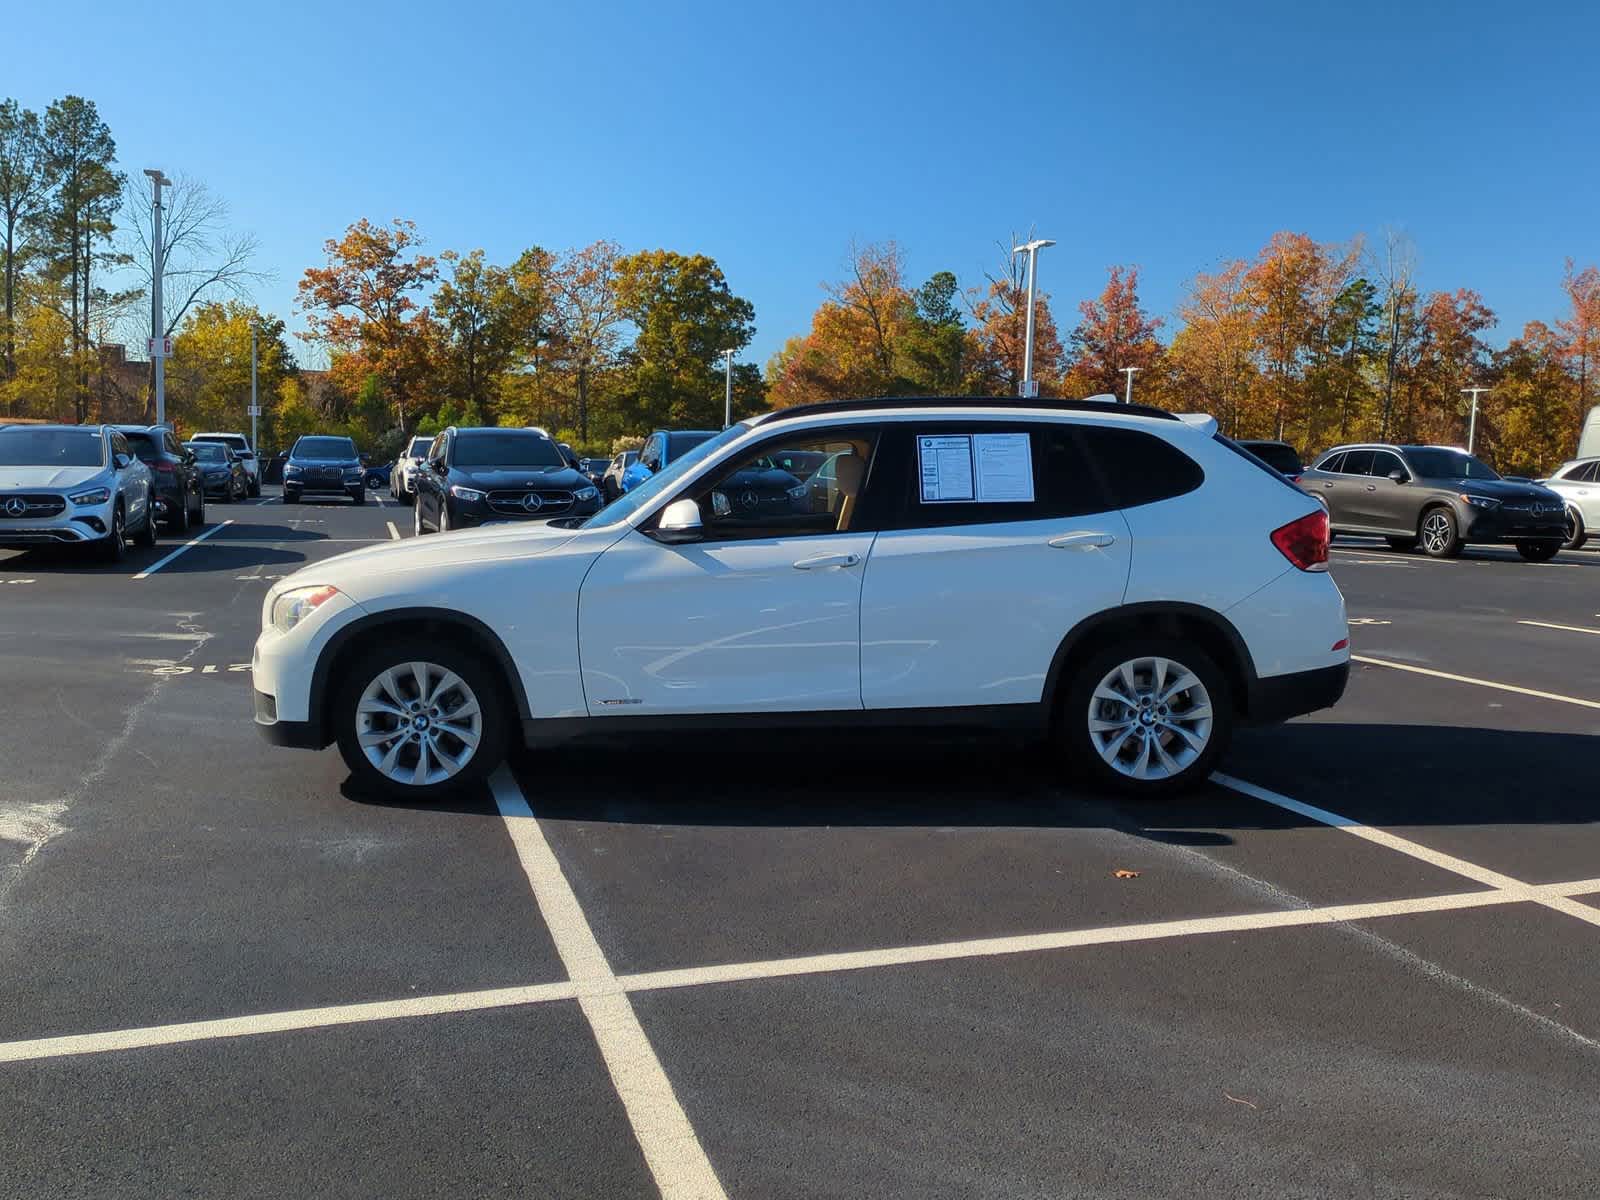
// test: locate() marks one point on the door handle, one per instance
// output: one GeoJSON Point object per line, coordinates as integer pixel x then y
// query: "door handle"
{"type": "Point", "coordinates": [1081, 541]}
{"type": "Point", "coordinates": [1327, 487]}
{"type": "Point", "coordinates": [1372, 487]}
{"type": "Point", "coordinates": [827, 560]}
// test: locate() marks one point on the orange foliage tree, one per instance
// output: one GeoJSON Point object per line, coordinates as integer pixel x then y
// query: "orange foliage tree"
{"type": "Point", "coordinates": [1113, 332]}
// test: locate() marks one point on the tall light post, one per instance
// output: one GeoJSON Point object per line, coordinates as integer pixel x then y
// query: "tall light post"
{"type": "Point", "coordinates": [727, 380]}
{"type": "Point", "coordinates": [255, 408]}
{"type": "Point", "coordinates": [1028, 387]}
{"type": "Point", "coordinates": [158, 345]}
{"type": "Point", "coordinates": [1472, 421]}
{"type": "Point", "coordinates": [1128, 371]}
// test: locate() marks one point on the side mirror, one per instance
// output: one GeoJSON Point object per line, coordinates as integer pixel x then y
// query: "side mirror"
{"type": "Point", "coordinates": [680, 522]}
{"type": "Point", "coordinates": [1398, 476]}
{"type": "Point", "coordinates": [122, 461]}
{"type": "Point", "coordinates": [438, 466]}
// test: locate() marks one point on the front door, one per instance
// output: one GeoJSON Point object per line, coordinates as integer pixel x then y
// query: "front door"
{"type": "Point", "coordinates": [763, 614]}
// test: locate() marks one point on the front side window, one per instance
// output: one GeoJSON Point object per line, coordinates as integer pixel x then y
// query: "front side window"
{"type": "Point", "coordinates": [760, 495]}
{"type": "Point", "coordinates": [646, 490]}
{"type": "Point", "coordinates": [1383, 462]}
{"type": "Point", "coordinates": [419, 447]}
{"type": "Point", "coordinates": [650, 456]}
{"type": "Point", "coordinates": [119, 445]}
{"type": "Point", "coordinates": [1436, 463]}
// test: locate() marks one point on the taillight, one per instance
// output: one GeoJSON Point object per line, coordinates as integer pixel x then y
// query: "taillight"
{"type": "Point", "coordinates": [1295, 478]}
{"type": "Point", "coordinates": [162, 467]}
{"type": "Point", "coordinates": [1304, 542]}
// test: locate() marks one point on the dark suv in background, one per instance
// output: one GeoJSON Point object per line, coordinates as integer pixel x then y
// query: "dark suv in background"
{"type": "Point", "coordinates": [320, 465]}
{"type": "Point", "coordinates": [177, 490]}
{"type": "Point", "coordinates": [491, 475]}
{"type": "Point", "coordinates": [1437, 497]}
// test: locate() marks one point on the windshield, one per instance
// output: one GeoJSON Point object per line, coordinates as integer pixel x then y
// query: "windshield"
{"type": "Point", "coordinates": [419, 447]}
{"type": "Point", "coordinates": [625, 505]}
{"type": "Point", "coordinates": [208, 453]}
{"type": "Point", "coordinates": [324, 447]}
{"type": "Point", "coordinates": [1432, 463]}
{"type": "Point", "coordinates": [512, 449]}
{"type": "Point", "coordinates": [234, 441]}
{"type": "Point", "coordinates": [51, 448]}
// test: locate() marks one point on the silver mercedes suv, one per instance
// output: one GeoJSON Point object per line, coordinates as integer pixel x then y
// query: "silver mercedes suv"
{"type": "Point", "coordinates": [72, 485]}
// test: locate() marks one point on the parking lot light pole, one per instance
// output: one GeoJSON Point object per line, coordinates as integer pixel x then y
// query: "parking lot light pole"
{"type": "Point", "coordinates": [1028, 387]}
{"type": "Point", "coordinates": [1472, 421]}
{"type": "Point", "coordinates": [254, 409]}
{"type": "Point", "coordinates": [1128, 371]}
{"type": "Point", "coordinates": [157, 269]}
{"type": "Point", "coordinates": [727, 379]}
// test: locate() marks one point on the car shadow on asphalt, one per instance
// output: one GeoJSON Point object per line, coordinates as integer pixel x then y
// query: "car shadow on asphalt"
{"type": "Point", "coordinates": [1380, 774]}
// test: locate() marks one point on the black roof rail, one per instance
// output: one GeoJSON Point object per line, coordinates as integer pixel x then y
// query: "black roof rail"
{"type": "Point", "coordinates": [865, 402]}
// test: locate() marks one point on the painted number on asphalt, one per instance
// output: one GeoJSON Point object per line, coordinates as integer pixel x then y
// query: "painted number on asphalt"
{"type": "Point", "coordinates": [1368, 621]}
{"type": "Point", "coordinates": [209, 669]}
{"type": "Point", "coordinates": [4, 581]}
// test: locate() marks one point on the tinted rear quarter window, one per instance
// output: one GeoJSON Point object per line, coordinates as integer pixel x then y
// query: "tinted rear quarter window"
{"type": "Point", "coordinates": [1333, 464]}
{"type": "Point", "coordinates": [1276, 455]}
{"type": "Point", "coordinates": [1139, 468]}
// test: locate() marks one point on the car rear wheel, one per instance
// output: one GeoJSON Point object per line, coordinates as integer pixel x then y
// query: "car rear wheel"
{"type": "Point", "coordinates": [199, 509]}
{"type": "Point", "coordinates": [1147, 716]}
{"type": "Point", "coordinates": [146, 536]}
{"type": "Point", "coordinates": [1576, 536]}
{"type": "Point", "coordinates": [291, 496]}
{"type": "Point", "coordinates": [1539, 551]}
{"type": "Point", "coordinates": [1403, 544]}
{"type": "Point", "coordinates": [421, 719]}
{"type": "Point", "coordinates": [180, 523]}
{"type": "Point", "coordinates": [1438, 534]}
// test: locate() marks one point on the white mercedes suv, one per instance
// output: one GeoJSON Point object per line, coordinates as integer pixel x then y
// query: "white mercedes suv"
{"type": "Point", "coordinates": [1112, 578]}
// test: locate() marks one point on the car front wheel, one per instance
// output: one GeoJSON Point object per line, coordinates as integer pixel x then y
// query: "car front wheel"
{"type": "Point", "coordinates": [1148, 716]}
{"type": "Point", "coordinates": [420, 719]}
{"type": "Point", "coordinates": [1438, 534]}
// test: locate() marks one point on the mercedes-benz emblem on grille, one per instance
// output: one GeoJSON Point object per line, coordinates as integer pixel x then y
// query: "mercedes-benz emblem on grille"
{"type": "Point", "coordinates": [1537, 509]}
{"type": "Point", "coordinates": [16, 506]}
{"type": "Point", "coordinates": [532, 502]}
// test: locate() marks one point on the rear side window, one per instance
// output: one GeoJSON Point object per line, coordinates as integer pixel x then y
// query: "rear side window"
{"type": "Point", "coordinates": [1064, 484]}
{"type": "Point", "coordinates": [1139, 468]}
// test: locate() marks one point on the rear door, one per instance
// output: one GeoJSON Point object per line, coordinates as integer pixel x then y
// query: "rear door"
{"type": "Point", "coordinates": [1345, 489]}
{"type": "Point", "coordinates": [996, 539]}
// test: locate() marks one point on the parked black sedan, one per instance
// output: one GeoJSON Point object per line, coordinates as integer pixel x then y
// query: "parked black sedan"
{"type": "Point", "coordinates": [222, 471]}
{"type": "Point", "coordinates": [1435, 497]}
{"type": "Point", "coordinates": [320, 465]}
{"type": "Point", "coordinates": [176, 488]}
{"type": "Point", "coordinates": [489, 476]}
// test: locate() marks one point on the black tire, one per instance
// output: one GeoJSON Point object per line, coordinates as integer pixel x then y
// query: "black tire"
{"type": "Point", "coordinates": [113, 546]}
{"type": "Point", "coordinates": [1080, 705]}
{"type": "Point", "coordinates": [417, 527]}
{"type": "Point", "coordinates": [199, 510]}
{"type": "Point", "coordinates": [477, 675]}
{"type": "Point", "coordinates": [408, 497]}
{"type": "Point", "coordinates": [1404, 544]}
{"type": "Point", "coordinates": [1539, 552]}
{"type": "Point", "coordinates": [359, 497]}
{"type": "Point", "coordinates": [1439, 533]}
{"type": "Point", "coordinates": [1576, 534]}
{"type": "Point", "coordinates": [146, 537]}
{"type": "Point", "coordinates": [291, 497]}
{"type": "Point", "coordinates": [180, 523]}
{"type": "Point", "coordinates": [255, 489]}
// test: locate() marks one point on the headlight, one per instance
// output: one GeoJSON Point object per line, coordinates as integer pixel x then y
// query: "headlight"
{"type": "Point", "coordinates": [587, 493]}
{"type": "Point", "coordinates": [92, 496]}
{"type": "Point", "coordinates": [797, 493]}
{"type": "Point", "coordinates": [289, 609]}
{"type": "Point", "coordinates": [352, 472]}
{"type": "Point", "coordinates": [291, 469]}
{"type": "Point", "coordinates": [465, 493]}
{"type": "Point", "coordinates": [1481, 501]}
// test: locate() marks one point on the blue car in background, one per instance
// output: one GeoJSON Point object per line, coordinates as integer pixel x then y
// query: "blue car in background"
{"type": "Point", "coordinates": [660, 448]}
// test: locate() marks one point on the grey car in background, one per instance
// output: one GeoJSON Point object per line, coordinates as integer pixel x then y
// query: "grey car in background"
{"type": "Point", "coordinates": [73, 485]}
{"type": "Point", "coordinates": [1435, 497]}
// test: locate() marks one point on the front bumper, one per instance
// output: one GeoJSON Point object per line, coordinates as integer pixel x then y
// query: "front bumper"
{"type": "Point", "coordinates": [282, 670]}
{"type": "Point", "coordinates": [75, 524]}
{"type": "Point", "coordinates": [218, 487]}
{"type": "Point", "coordinates": [466, 514]}
{"type": "Point", "coordinates": [324, 487]}
{"type": "Point", "coordinates": [1502, 525]}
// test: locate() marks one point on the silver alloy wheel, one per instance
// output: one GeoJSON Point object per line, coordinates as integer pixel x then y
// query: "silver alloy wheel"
{"type": "Point", "coordinates": [1150, 718]}
{"type": "Point", "coordinates": [419, 723]}
{"type": "Point", "coordinates": [444, 515]}
{"type": "Point", "coordinates": [1435, 532]}
{"type": "Point", "coordinates": [416, 519]}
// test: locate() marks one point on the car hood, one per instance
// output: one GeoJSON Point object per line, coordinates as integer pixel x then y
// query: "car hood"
{"type": "Point", "coordinates": [48, 477]}
{"type": "Point", "coordinates": [364, 574]}
{"type": "Point", "coordinates": [490, 478]}
{"type": "Point", "coordinates": [1498, 489]}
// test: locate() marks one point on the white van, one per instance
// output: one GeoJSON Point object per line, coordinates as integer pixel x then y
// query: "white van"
{"type": "Point", "coordinates": [1589, 439]}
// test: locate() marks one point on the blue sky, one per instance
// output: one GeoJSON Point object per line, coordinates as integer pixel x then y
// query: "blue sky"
{"type": "Point", "coordinates": [1171, 135]}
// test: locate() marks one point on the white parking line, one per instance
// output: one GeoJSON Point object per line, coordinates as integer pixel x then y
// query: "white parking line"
{"type": "Point", "coordinates": [1565, 628]}
{"type": "Point", "coordinates": [189, 545]}
{"type": "Point", "coordinates": [671, 1148]}
{"type": "Point", "coordinates": [606, 986]}
{"type": "Point", "coordinates": [1505, 885]}
{"type": "Point", "coordinates": [1488, 683]}
{"type": "Point", "coordinates": [393, 532]}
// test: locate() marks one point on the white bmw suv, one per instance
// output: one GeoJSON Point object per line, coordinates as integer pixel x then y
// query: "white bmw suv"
{"type": "Point", "coordinates": [1115, 579]}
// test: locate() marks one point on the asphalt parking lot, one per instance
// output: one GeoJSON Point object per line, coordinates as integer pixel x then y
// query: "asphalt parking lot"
{"type": "Point", "coordinates": [1362, 964]}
